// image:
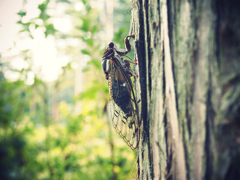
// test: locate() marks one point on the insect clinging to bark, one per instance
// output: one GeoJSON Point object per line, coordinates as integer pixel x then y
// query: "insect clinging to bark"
{"type": "Point", "coordinates": [123, 105]}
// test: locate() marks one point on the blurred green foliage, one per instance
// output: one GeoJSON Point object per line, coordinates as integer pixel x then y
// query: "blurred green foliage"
{"type": "Point", "coordinates": [40, 135]}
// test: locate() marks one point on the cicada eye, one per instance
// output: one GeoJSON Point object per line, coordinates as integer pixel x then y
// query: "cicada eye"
{"type": "Point", "coordinates": [111, 44]}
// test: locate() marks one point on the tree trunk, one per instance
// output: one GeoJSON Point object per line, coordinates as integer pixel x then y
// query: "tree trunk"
{"type": "Point", "coordinates": [189, 73]}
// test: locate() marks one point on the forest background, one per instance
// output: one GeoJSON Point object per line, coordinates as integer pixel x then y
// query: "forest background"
{"type": "Point", "coordinates": [53, 94]}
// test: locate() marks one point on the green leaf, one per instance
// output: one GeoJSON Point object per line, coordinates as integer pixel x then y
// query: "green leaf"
{"type": "Point", "coordinates": [22, 13]}
{"type": "Point", "coordinates": [19, 22]}
{"type": "Point", "coordinates": [50, 30]}
{"type": "Point", "coordinates": [84, 51]}
{"type": "Point", "coordinates": [90, 41]}
{"type": "Point", "coordinates": [43, 6]}
{"type": "Point", "coordinates": [64, 1]}
{"type": "Point", "coordinates": [85, 24]}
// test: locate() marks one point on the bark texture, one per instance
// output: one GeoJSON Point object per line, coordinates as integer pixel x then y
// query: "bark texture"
{"type": "Point", "coordinates": [189, 85]}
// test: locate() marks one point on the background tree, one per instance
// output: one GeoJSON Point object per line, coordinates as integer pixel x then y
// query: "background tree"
{"type": "Point", "coordinates": [189, 86]}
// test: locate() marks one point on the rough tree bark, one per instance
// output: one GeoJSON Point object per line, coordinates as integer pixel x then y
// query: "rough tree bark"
{"type": "Point", "coordinates": [189, 73]}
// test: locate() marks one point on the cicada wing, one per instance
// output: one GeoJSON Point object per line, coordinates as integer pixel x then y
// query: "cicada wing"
{"type": "Point", "coordinates": [123, 106]}
{"type": "Point", "coordinates": [123, 125]}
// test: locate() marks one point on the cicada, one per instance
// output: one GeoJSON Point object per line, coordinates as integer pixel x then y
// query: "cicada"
{"type": "Point", "coordinates": [123, 105]}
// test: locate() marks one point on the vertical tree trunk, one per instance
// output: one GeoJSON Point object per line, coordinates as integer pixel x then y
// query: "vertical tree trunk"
{"type": "Point", "coordinates": [189, 85]}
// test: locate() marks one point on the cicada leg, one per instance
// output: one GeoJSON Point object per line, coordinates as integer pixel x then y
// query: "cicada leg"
{"type": "Point", "coordinates": [131, 122]}
{"type": "Point", "coordinates": [129, 61]}
{"type": "Point", "coordinates": [123, 52]}
{"type": "Point", "coordinates": [128, 68]}
{"type": "Point", "coordinates": [127, 44]}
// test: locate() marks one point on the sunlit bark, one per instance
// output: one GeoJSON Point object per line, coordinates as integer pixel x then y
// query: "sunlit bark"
{"type": "Point", "coordinates": [189, 86]}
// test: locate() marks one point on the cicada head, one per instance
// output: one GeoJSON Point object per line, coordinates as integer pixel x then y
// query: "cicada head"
{"type": "Point", "coordinates": [111, 45]}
